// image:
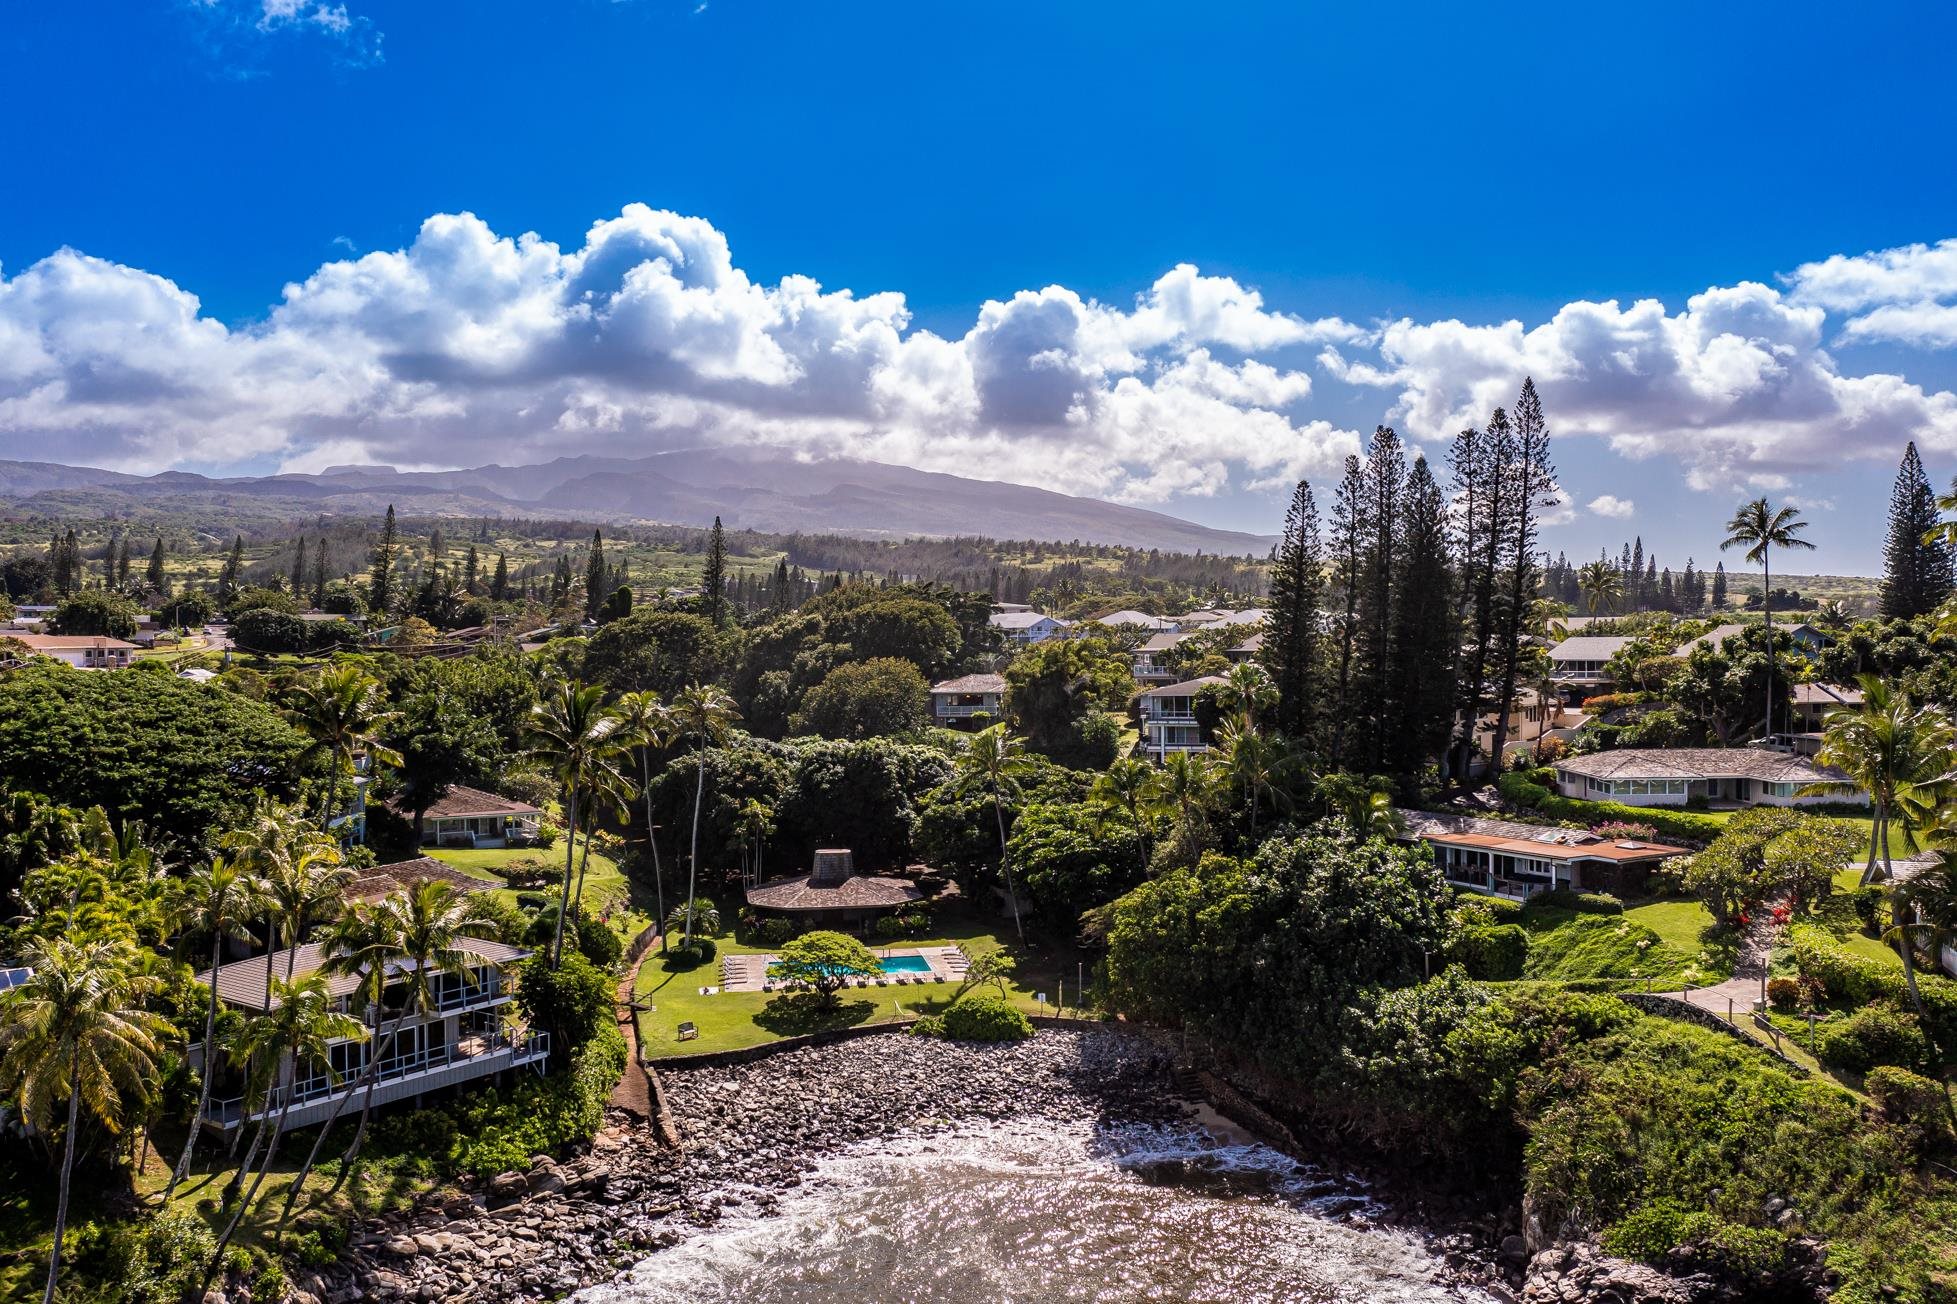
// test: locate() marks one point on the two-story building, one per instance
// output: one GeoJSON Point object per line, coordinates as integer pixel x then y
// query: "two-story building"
{"type": "Point", "coordinates": [961, 702]}
{"type": "Point", "coordinates": [1150, 661]}
{"type": "Point", "coordinates": [1169, 722]}
{"type": "Point", "coordinates": [1578, 664]}
{"type": "Point", "coordinates": [467, 1034]}
{"type": "Point", "coordinates": [1027, 627]}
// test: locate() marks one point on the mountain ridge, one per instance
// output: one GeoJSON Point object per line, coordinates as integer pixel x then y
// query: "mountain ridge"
{"type": "Point", "coordinates": [748, 488]}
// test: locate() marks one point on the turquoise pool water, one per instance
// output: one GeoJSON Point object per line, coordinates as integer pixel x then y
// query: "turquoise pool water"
{"type": "Point", "coordinates": [905, 964]}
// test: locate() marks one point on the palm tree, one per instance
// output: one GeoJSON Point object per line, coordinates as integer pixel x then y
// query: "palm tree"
{"type": "Point", "coordinates": [574, 732]}
{"type": "Point", "coordinates": [706, 915]}
{"type": "Point", "coordinates": [219, 899]}
{"type": "Point", "coordinates": [754, 822]}
{"type": "Point", "coordinates": [1185, 786]}
{"type": "Point", "coordinates": [1832, 614]}
{"type": "Point", "coordinates": [1897, 752]}
{"type": "Point", "coordinates": [991, 762]}
{"type": "Point", "coordinates": [1256, 762]}
{"type": "Point", "coordinates": [1601, 584]}
{"type": "Point", "coordinates": [341, 710]}
{"type": "Point", "coordinates": [1247, 689]}
{"type": "Point", "coordinates": [300, 870]}
{"type": "Point", "coordinates": [1760, 529]}
{"type": "Point", "coordinates": [76, 1034]}
{"type": "Point", "coordinates": [649, 723]}
{"type": "Point", "coordinates": [1366, 808]}
{"type": "Point", "coordinates": [706, 714]}
{"type": "Point", "coordinates": [400, 939]}
{"type": "Point", "coordinates": [1125, 785]}
{"type": "Point", "coordinates": [296, 1035]}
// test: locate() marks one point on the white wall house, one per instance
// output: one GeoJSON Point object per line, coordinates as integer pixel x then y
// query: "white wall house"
{"type": "Point", "coordinates": [1169, 718]}
{"type": "Point", "coordinates": [1149, 661]}
{"type": "Point", "coordinates": [1729, 776]}
{"type": "Point", "coordinates": [1580, 661]}
{"type": "Point", "coordinates": [1027, 627]}
{"type": "Point", "coordinates": [91, 652]}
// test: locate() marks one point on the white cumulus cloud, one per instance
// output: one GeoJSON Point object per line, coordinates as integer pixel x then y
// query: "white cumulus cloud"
{"type": "Point", "coordinates": [1611, 505]}
{"type": "Point", "coordinates": [470, 346]}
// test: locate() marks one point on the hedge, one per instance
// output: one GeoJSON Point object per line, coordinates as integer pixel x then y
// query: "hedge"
{"type": "Point", "coordinates": [1583, 903]}
{"type": "Point", "coordinates": [1520, 790]}
{"type": "Point", "coordinates": [1872, 1037]}
{"type": "Point", "coordinates": [1858, 980]}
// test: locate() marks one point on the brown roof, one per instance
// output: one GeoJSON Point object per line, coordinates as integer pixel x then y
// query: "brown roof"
{"type": "Point", "coordinates": [461, 801]}
{"type": "Point", "coordinates": [79, 643]}
{"type": "Point", "coordinates": [242, 982]}
{"type": "Point", "coordinates": [972, 684]}
{"type": "Point", "coordinates": [1700, 763]}
{"type": "Point", "coordinates": [857, 892]}
{"type": "Point", "coordinates": [386, 880]}
{"type": "Point", "coordinates": [1538, 841]}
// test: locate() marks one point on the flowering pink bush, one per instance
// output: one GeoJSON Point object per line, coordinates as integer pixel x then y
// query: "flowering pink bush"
{"type": "Point", "coordinates": [1625, 829]}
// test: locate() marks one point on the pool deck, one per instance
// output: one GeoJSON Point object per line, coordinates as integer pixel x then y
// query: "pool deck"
{"type": "Point", "coordinates": [749, 973]}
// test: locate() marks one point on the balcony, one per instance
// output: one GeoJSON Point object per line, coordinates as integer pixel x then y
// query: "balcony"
{"type": "Point", "coordinates": [453, 1000]}
{"type": "Point", "coordinates": [965, 710]}
{"type": "Point", "coordinates": [412, 1073]}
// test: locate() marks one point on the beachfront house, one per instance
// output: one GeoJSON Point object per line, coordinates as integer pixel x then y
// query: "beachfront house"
{"type": "Point", "coordinates": [1169, 722]}
{"type": "Point", "coordinates": [1519, 860]}
{"type": "Point", "coordinates": [961, 702]}
{"type": "Point", "coordinates": [468, 1034]}
{"type": "Point", "coordinates": [1716, 776]}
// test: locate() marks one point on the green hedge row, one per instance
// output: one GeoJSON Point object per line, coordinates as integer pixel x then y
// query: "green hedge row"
{"type": "Point", "coordinates": [1858, 979]}
{"type": "Point", "coordinates": [1525, 792]}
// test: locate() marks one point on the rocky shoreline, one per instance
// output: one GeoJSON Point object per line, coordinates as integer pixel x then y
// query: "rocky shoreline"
{"type": "Point", "coordinates": [752, 1131]}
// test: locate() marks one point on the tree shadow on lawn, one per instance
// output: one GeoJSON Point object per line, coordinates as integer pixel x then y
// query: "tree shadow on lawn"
{"type": "Point", "coordinates": [798, 1014]}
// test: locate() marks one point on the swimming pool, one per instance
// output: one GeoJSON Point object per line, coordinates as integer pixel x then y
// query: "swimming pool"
{"type": "Point", "coordinates": [905, 964]}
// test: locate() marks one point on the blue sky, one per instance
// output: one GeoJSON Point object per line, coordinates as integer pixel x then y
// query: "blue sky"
{"type": "Point", "coordinates": [1365, 199]}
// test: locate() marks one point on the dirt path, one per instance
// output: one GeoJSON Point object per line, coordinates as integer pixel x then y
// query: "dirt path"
{"type": "Point", "coordinates": [632, 1094]}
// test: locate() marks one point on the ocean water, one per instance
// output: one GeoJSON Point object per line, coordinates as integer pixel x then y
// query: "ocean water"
{"type": "Point", "coordinates": [1045, 1213]}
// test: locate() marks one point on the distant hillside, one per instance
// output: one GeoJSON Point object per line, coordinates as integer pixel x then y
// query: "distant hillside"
{"type": "Point", "coordinates": [758, 489]}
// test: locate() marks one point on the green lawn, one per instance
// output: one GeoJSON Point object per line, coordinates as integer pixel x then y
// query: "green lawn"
{"type": "Point", "coordinates": [1870, 949]}
{"type": "Point", "coordinates": [1677, 923]}
{"type": "Point", "coordinates": [606, 889]}
{"type": "Point", "coordinates": [1565, 945]}
{"type": "Point", "coordinates": [733, 1020]}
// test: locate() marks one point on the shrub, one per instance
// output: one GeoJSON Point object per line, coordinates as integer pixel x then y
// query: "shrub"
{"type": "Point", "coordinates": [1650, 1234]}
{"type": "Point", "coordinates": [498, 1131]}
{"type": "Point", "coordinates": [1876, 1035]}
{"type": "Point", "coordinates": [1583, 903]}
{"type": "Point", "coordinates": [1615, 829]}
{"type": "Point", "coordinates": [158, 1260]}
{"type": "Point", "coordinates": [1786, 993]}
{"type": "Point", "coordinates": [573, 1002]}
{"type": "Point", "coordinates": [985, 1018]}
{"type": "Point", "coordinates": [1494, 909]}
{"type": "Point", "coordinates": [1909, 1100]}
{"type": "Point", "coordinates": [1528, 792]}
{"type": "Point", "coordinates": [1491, 952]}
{"type": "Point", "coordinates": [701, 949]}
{"type": "Point", "coordinates": [1857, 980]}
{"type": "Point", "coordinates": [931, 1025]}
{"type": "Point", "coordinates": [776, 931]}
{"type": "Point", "coordinates": [1866, 902]}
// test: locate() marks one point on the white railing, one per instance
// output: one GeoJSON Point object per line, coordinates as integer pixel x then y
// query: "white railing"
{"type": "Point", "coordinates": [528, 1047]}
{"type": "Point", "coordinates": [448, 1002]}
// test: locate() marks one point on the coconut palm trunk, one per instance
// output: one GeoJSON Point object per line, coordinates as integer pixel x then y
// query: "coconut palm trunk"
{"type": "Point", "coordinates": [182, 1169]}
{"type": "Point", "coordinates": [1767, 601]}
{"type": "Point", "coordinates": [693, 857]}
{"type": "Point", "coordinates": [372, 1073]}
{"type": "Point", "coordinates": [570, 849]}
{"type": "Point", "coordinates": [67, 1175]}
{"type": "Point", "coordinates": [652, 840]}
{"type": "Point", "coordinates": [1005, 863]}
{"type": "Point", "coordinates": [258, 1180]}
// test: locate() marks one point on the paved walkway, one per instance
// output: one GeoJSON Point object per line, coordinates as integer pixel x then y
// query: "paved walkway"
{"type": "Point", "coordinates": [1735, 997]}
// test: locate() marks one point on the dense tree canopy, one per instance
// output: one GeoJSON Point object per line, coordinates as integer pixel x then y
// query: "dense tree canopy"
{"type": "Point", "coordinates": [866, 699]}
{"type": "Point", "coordinates": [663, 651]}
{"type": "Point", "coordinates": [183, 757]}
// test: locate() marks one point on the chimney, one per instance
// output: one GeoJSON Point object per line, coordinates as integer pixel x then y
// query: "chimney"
{"type": "Point", "coordinates": [831, 867]}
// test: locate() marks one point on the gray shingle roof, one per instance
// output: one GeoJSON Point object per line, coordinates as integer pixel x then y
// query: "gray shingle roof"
{"type": "Point", "coordinates": [1700, 763]}
{"type": "Point", "coordinates": [1187, 688]}
{"type": "Point", "coordinates": [242, 982]}
{"type": "Point", "coordinates": [1588, 647]}
{"type": "Point", "coordinates": [857, 892]}
{"type": "Point", "coordinates": [972, 684]}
